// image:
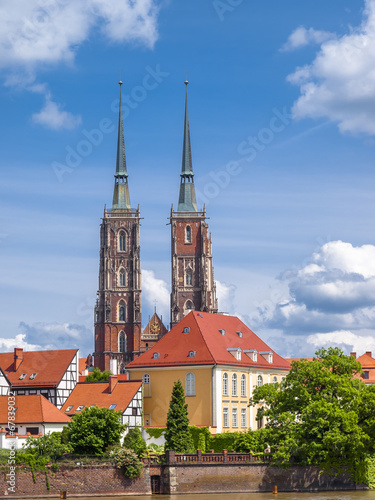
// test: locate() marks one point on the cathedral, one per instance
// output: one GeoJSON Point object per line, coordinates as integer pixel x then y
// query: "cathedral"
{"type": "Point", "coordinates": [118, 327]}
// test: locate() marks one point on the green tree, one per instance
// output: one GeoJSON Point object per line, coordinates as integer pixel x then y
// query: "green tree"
{"type": "Point", "coordinates": [322, 413]}
{"type": "Point", "coordinates": [177, 435]}
{"type": "Point", "coordinates": [129, 462]}
{"type": "Point", "coordinates": [48, 446]}
{"type": "Point", "coordinates": [98, 376]}
{"type": "Point", "coordinates": [92, 430]}
{"type": "Point", "coordinates": [134, 441]}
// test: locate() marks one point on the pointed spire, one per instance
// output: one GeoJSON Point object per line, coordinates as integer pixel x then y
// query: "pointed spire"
{"type": "Point", "coordinates": [187, 201]}
{"type": "Point", "coordinates": [121, 199]}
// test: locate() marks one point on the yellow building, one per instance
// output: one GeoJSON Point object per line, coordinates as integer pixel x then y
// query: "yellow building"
{"type": "Point", "coordinates": [219, 361]}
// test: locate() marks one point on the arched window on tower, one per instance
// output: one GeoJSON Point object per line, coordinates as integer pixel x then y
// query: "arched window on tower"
{"type": "Point", "coordinates": [188, 307]}
{"type": "Point", "coordinates": [122, 342]}
{"type": "Point", "coordinates": [187, 234]}
{"type": "Point", "coordinates": [122, 241]}
{"type": "Point", "coordinates": [122, 277]}
{"type": "Point", "coordinates": [122, 311]}
{"type": "Point", "coordinates": [189, 277]}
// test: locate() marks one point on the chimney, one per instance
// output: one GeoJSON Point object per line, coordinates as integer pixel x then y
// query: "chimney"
{"type": "Point", "coordinates": [113, 379]}
{"type": "Point", "coordinates": [369, 353]}
{"type": "Point", "coordinates": [18, 357]}
{"type": "Point", "coordinates": [354, 354]}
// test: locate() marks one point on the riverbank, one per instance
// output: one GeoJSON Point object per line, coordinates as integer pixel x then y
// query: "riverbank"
{"type": "Point", "coordinates": [181, 474]}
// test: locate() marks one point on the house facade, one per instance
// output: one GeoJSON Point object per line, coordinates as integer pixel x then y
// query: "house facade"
{"type": "Point", "coordinates": [219, 361]}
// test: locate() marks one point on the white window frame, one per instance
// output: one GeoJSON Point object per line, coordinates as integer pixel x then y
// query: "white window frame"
{"type": "Point", "coordinates": [234, 385]}
{"type": "Point", "coordinates": [243, 418]}
{"type": "Point", "coordinates": [243, 385]}
{"type": "Point", "coordinates": [190, 384]}
{"type": "Point", "coordinates": [225, 384]}
{"type": "Point", "coordinates": [234, 417]}
{"type": "Point", "coordinates": [225, 417]}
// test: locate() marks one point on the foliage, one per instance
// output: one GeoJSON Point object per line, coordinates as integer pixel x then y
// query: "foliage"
{"type": "Point", "coordinates": [98, 376]}
{"type": "Point", "coordinates": [94, 429]}
{"type": "Point", "coordinates": [47, 482]}
{"type": "Point", "coordinates": [321, 414]}
{"type": "Point", "coordinates": [48, 446]}
{"type": "Point", "coordinates": [156, 448]}
{"type": "Point", "coordinates": [177, 436]}
{"type": "Point", "coordinates": [129, 462]}
{"type": "Point", "coordinates": [134, 441]}
{"type": "Point", "coordinates": [32, 460]}
{"type": "Point", "coordinates": [156, 432]}
{"type": "Point", "coordinates": [223, 441]}
{"type": "Point", "coordinates": [252, 441]}
{"type": "Point", "coordinates": [201, 437]}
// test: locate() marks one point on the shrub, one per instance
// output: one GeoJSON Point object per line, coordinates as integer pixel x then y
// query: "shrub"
{"type": "Point", "coordinates": [134, 441]}
{"type": "Point", "coordinates": [129, 462]}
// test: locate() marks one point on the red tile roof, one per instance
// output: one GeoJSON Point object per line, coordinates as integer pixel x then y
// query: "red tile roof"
{"type": "Point", "coordinates": [209, 344]}
{"type": "Point", "coordinates": [31, 409]}
{"type": "Point", "coordinates": [366, 360]}
{"type": "Point", "coordinates": [49, 366]}
{"type": "Point", "coordinates": [97, 393]}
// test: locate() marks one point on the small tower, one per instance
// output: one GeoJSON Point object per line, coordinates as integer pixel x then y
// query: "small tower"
{"type": "Point", "coordinates": [118, 306]}
{"type": "Point", "coordinates": [193, 284]}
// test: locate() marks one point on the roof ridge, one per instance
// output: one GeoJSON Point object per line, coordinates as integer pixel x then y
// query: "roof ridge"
{"type": "Point", "coordinates": [204, 340]}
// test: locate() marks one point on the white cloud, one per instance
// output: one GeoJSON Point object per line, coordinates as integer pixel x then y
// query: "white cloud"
{"type": "Point", "coordinates": [225, 296]}
{"type": "Point", "coordinates": [340, 83]}
{"type": "Point", "coordinates": [302, 37]}
{"type": "Point", "coordinates": [345, 340]}
{"type": "Point", "coordinates": [335, 291]}
{"type": "Point", "coordinates": [39, 33]}
{"type": "Point", "coordinates": [58, 336]}
{"type": "Point", "coordinates": [155, 289]}
{"type": "Point", "coordinates": [7, 345]}
{"type": "Point", "coordinates": [52, 116]}
{"type": "Point", "coordinates": [49, 31]}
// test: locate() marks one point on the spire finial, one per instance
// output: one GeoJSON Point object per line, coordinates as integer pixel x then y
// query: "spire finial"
{"type": "Point", "coordinates": [187, 201]}
{"type": "Point", "coordinates": [121, 198]}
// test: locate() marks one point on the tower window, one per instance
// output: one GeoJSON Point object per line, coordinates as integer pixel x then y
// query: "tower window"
{"type": "Point", "coordinates": [122, 277]}
{"type": "Point", "coordinates": [122, 241]}
{"type": "Point", "coordinates": [122, 342]}
{"type": "Point", "coordinates": [189, 277]}
{"type": "Point", "coordinates": [122, 311]}
{"type": "Point", "coordinates": [188, 306]}
{"type": "Point", "coordinates": [188, 234]}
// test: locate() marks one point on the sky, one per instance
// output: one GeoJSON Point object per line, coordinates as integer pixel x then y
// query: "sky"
{"type": "Point", "coordinates": [282, 123]}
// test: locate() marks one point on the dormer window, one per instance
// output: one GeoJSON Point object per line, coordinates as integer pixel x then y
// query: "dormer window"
{"type": "Point", "coordinates": [222, 331]}
{"type": "Point", "coordinates": [236, 352]}
{"type": "Point", "coordinates": [69, 408]}
{"type": "Point", "coordinates": [112, 407]}
{"type": "Point", "coordinates": [239, 334]}
{"type": "Point", "coordinates": [156, 355]}
{"type": "Point", "coordinates": [22, 376]}
{"type": "Point", "coordinates": [33, 375]}
{"type": "Point", "coordinates": [186, 329]}
{"type": "Point", "coordinates": [267, 355]}
{"type": "Point", "coordinates": [192, 354]}
{"type": "Point", "coordinates": [80, 408]}
{"type": "Point", "coordinates": [253, 354]}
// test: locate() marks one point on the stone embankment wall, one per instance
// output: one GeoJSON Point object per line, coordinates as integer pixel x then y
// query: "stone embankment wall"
{"type": "Point", "coordinates": [189, 473]}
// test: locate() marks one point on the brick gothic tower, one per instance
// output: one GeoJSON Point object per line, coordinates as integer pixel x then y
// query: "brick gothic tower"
{"type": "Point", "coordinates": [193, 285]}
{"type": "Point", "coordinates": [118, 306]}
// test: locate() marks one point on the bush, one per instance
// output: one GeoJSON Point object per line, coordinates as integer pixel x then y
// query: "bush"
{"type": "Point", "coordinates": [134, 441]}
{"type": "Point", "coordinates": [129, 462]}
{"type": "Point", "coordinates": [201, 437]}
{"type": "Point", "coordinates": [223, 441]}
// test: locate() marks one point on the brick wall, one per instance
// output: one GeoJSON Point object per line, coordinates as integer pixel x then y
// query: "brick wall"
{"type": "Point", "coordinates": [86, 480]}
{"type": "Point", "coordinates": [176, 479]}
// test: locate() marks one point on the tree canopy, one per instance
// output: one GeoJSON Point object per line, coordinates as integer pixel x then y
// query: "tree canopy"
{"type": "Point", "coordinates": [177, 435]}
{"type": "Point", "coordinates": [98, 376]}
{"type": "Point", "coordinates": [94, 429]}
{"type": "Point", "coordinates": [322, 413]}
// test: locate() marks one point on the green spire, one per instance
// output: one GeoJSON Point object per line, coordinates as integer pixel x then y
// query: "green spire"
{"type": "Point", "coordinates": [121, 199]}
{"type": "Point", "coordinates": [187, 201]}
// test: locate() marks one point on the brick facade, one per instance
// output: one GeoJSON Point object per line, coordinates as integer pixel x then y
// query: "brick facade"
{"type": "Point", "coordinates": [193, 284]}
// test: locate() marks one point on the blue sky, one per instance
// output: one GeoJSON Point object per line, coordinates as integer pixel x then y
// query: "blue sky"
{"type": "Point", "coordinates": [282, 120]}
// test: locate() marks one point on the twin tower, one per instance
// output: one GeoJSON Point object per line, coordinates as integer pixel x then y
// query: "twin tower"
{"type": "Point", "coordinates": [118, 330]}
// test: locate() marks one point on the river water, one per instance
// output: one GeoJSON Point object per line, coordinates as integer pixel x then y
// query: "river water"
{"type": "Point", "coordinates": [331, 495]}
